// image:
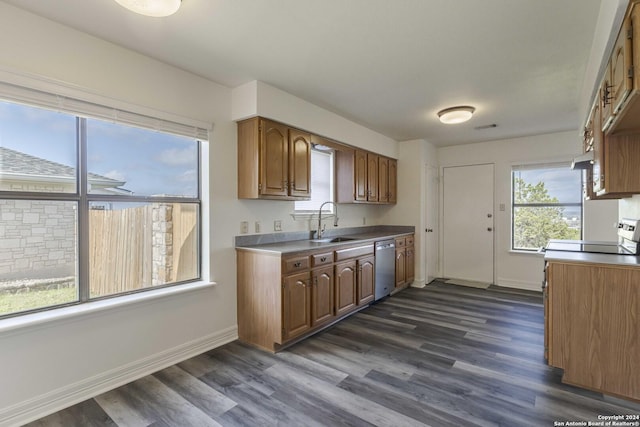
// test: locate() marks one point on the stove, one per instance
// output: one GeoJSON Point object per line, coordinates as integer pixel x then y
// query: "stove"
{"type": "Point", "coordinates": [628, 238]}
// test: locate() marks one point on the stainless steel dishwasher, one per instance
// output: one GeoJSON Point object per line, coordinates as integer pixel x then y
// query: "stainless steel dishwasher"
{"type": "Point", "coordinates": [385, 268]}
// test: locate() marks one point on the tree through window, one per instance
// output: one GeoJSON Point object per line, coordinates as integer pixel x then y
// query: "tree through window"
{"type": "Point", "coordinates": [547, 204]}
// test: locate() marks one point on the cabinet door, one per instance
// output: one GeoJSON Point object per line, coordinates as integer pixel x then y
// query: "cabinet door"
{"type": "Point", "coordinates": [296, 305]}
{"type": "Point", "coordinates": [322, 302]}
{"type": "Point", "coordinates": [345, 287]}
{"type": "Point", "coordinates": [401, 274]}
{"type": "Point", "coordinates": [372, 177]}
{"type": "Point", "coordinates": [360, 176]}
{"type": "Point", "coordinates": [621, 70]}
{"type": "Point", "coordinates": [606, 109]}
{"type": "Point", "coordinates": [598, 150]}
{"type": "Point", "coordinates": [366, 279]}
{"type": "Point", "coordinates": [383, 179]}
{"type": "Point", "coordinates": [274, 158]}
{"type": "Point", "coordinates": [410, 265]}
{"type": "Point", "coordinates": [299, 163]}
{"type": "Point", "coordinates": [393, 181]}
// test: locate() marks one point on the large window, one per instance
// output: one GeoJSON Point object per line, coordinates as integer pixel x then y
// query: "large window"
{"type": "Point", "coordinates": [321, 183]}
{"type": "Point", "coordinates": [547, 204]}
{"type": "Point", "coordinates": [90, 208]}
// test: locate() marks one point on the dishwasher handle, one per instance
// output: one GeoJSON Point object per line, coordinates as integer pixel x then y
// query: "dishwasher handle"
{"type": "Point", "coordinates": [385, 246]}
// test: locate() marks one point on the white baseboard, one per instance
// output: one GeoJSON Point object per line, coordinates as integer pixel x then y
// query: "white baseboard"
{"type": "Point", "coordinates": [71, 394]}
{"type": "Point", "coordinates": [520, 284]}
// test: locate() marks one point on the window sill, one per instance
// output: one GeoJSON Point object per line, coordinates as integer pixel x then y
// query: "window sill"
{"type": "Point", "coordinates": [517, 252]}
{"type": "Point", "coordinates": [309, 215]}
{"type": "Point", "coordinates": [63, 313]}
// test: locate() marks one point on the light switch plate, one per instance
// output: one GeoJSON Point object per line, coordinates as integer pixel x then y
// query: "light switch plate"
{"type": "Point", "coordinates": [277, 225]}
{"type": "Point", "coordinates": [244, 227]}
{"type": "Point", "coordinates": [257, 226]}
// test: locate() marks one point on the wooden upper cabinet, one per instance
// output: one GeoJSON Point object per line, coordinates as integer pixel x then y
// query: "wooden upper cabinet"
{"type": "Point", "coordinates": [299, 163]}
{"type": "Point", "coordinates": [372, 177]}
{"type": "Point", "coordinates": [274, 158]}
{"type": "Point", "coordinates": [621, 72]}
{"type": "Point", "coordinates": [274, 161]}
{"type": "Point", "coordinates": [383, 179]}
{"type": "Point", "coordinates": [393, 181]}
{"type": "Point", "coordinates": [360, 176]}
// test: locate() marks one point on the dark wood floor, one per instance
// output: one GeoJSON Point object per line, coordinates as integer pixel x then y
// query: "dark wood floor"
{"type": "Point", "coordinates": [441, 356]}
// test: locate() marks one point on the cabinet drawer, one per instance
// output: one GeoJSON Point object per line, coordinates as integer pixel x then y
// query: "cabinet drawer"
{"type": "Point", "coordinates": [321, 259]}
{"type": "Point", "coordinates": [401, 242]}
{"type": "Point", "coordinates": [353, 252]}
{"type": "Point", "coordinates": [409, 240]}
{"type": "Point", "coordinates": [292, 265]}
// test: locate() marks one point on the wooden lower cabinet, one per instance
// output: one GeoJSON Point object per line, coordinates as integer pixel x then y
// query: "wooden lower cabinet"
{"type": "Point", "coordinates": [322, 301]}
{"type": "Point", "coordinates": [346, 298]}
{"type": "Point", "coordinates": [410, 265]}
{"type": "Point", "coordinates": [592, 326]}
{"type": "Point", "coordinates": [296, 306]}
{"type": "Point", "coordinates": [366, 279]}
{"type": "Point", "coordinates": [284, 298]}
{"type": "Point", "coordinates": [401, 272]}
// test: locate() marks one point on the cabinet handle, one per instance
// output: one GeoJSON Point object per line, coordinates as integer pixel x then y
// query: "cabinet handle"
{"type": "Point", "coordinates": [315, 281]}
{"type": "Point", "coordinates": [606, 96]}
{"type": "Point", "coordinates": [297, 264]}
{"type": "Point", "coordinates": [292, 184]}
{"type": "Point", "coordinates": [323, 259]}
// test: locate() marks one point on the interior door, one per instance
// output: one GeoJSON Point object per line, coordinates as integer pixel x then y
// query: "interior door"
{"type": "Point", "coordinates": [432, 198]}
{"type": "Point", "coordinates": [468, 222]}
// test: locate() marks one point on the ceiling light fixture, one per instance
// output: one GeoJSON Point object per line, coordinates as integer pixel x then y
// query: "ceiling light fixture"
{"type": "Point", "coordinates": [155, 8]}
{"type": "Point", "coordinates": [456, 114]}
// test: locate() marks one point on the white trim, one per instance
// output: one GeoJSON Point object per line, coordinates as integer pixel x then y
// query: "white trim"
{"type": "Point", "coordinates": [71, 394]}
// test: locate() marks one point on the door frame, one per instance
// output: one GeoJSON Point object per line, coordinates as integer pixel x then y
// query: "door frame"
{"type": "Point", "coordinates": [441, 214]}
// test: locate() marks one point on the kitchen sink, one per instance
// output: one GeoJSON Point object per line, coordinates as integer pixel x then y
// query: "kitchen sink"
{"type": "Point", "coordinates": [334, 240]}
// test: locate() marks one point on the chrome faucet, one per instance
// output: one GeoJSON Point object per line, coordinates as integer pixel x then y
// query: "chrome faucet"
{"type": "Point", "coordinates": [335, 221]}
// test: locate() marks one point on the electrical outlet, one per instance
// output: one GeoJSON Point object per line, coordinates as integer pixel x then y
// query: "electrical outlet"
{"type": "Point", "coordinates": [502, 207]}
{"type": "Point", "coordinates": [257, 226]}
{"type": "Point", "coordinates": [277, 225]}
{"type": "Point", "coordinates": [244, 227]}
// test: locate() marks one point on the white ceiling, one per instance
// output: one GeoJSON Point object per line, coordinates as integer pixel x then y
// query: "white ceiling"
{"type": "Point", "coordinates": [389, 65]}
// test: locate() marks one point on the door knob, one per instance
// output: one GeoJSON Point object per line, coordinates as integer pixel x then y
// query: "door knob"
{"type": "Point", "coordinates": [489, 215]}
{"type": "Point", "coordinates": [429, 230]}
{"type": "Point", "coordinates": [489, 229]}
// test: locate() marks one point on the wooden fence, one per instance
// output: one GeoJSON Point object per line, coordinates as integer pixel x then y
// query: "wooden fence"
{"type": "Point", "coordinates": [124, 248]}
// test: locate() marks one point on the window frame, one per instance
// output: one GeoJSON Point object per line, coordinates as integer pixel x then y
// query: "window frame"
{"type": "Point", "coordinates": [329, 208]}
{"type": "Point", "coordinates": [83, 198]}
{"type": "Point", "coordinates": [514, 205]}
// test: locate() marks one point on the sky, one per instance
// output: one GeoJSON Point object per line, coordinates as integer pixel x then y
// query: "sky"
{"type": "Point", "coordinates": [563, 183]}
{"type": "Point", "coordinates": [150, 162]}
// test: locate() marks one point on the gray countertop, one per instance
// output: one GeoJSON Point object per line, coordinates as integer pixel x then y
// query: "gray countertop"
{"type": "Point", "coordinates": [563, 256]}
{"type": "Point", "coordinates": [364, 236]}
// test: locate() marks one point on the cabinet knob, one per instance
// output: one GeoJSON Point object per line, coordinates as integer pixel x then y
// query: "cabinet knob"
{"type": "Point", "coordinates": [323, 259]}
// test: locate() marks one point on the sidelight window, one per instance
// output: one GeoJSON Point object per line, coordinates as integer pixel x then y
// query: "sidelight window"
{"type": "Point", "coordinates": [547, 204]}
{"type": "Point", "coordinates": [91, 208]}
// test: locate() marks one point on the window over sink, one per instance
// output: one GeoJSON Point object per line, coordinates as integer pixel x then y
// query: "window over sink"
{"type": "Point", "coordinates": [546, 204]}
{"type": "Point", "coordinates": [322, 184]}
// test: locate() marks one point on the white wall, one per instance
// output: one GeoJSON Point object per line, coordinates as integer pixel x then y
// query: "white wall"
{"type": "Point", "coordinates": [63, 362]}
{"type": "Point", "coordinates": [411, 209]}
{"type": "Point", "coordinates": [517, 269]}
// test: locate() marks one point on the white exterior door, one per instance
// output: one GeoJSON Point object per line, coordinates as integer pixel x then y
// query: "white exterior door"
{"type": "Point", "coordinates": [468, 222]}
{"type": "Point", "coordinates": [431, 221]}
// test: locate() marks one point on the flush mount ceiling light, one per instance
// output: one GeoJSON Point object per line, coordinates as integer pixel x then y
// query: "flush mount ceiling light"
{"type": "Point", "coordinates": [456, 114]}
{"type": "Point", "coordinates": [155, 8]}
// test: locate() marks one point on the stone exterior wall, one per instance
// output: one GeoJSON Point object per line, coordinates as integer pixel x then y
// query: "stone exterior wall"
{"type": "Point", "coordinates": [37, 239]}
